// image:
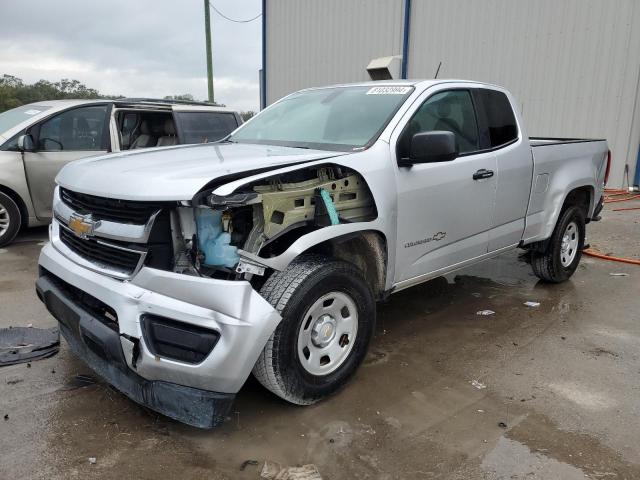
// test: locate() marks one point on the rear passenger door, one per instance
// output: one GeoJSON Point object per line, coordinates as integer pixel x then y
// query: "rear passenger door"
{"type": "Point", "coordinates": [501, 134]}
{"type": "Point", "coordinates": [445, 209]}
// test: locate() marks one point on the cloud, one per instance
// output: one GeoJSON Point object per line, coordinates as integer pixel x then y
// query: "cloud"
{"type": "Point", "coordinates": [142, 48]}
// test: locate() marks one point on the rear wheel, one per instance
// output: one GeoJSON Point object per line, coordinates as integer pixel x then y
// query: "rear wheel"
{"type": "Point", "coordinates": [328, 317]}
{"type": "Point", "coordinates": [563, 253]}
{"type": "Point", "coordinates": [10, 219]}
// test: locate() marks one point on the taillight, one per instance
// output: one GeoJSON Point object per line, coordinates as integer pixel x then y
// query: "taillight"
{"type": "Point", "coordinates": [608, 170]}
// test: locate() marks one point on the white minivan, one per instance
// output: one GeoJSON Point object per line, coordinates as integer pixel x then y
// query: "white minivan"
{"type": "Point", "coordinates": [38, 139]}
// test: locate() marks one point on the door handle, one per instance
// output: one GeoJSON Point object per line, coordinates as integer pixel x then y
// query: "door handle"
{"type": "Point", "coordinates": [483, 173]}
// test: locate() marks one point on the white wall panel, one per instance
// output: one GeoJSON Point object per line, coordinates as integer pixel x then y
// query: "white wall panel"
{"type": "Point", "coordinates": [321, 42]}
{"type": "Point", "coordinates": [574, 65]}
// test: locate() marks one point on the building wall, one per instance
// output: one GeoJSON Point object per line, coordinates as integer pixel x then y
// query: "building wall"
{"type": "Point", "coordinates": [574, 65]}
{"type": "Point", "coordinates": [322, 42]}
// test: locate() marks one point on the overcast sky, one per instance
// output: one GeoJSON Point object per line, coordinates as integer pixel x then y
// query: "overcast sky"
{"type": "Point", "coordinates": [140, 48]}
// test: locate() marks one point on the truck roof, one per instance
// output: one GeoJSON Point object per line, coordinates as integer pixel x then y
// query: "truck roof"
{"type": "Point", "coordinates": [408, 82]}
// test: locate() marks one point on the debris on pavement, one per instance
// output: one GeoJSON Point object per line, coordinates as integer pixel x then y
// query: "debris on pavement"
{"type": "Point", "coordinates": [24, 344]}
{"type": "Point", "coordinates": [619, 274]}
{"type": "Point", "coordinates": [485, 312]}
{"type": "Point", "coordinates": [478, 385]}
{"type": "Point", "coordinates": [246, 463]}
{"type": "Point", "coordinates": [92, 460]}
{"type": "Point", "coordinates": [502, 425]}
{"type": "Point", "coordinates": [532, 304]}
{"type": "Point", "coordinates": [274, 471]}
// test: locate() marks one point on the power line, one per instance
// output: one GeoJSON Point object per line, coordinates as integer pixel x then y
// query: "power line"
{"type": "Point", "coordinates": [233, 19]}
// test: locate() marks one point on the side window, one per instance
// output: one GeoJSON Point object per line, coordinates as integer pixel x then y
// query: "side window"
{"type": "Point", "coordinates": [77, 129]}
{"type": "Point", "coordinates": [12, 143]}
{"type": "Point", "coordinates": [451, 111]}
{"type": "Point", "coordinates": [129, 124]}
{"type": "Point", "coordinates": [203, 127]}
{"type": "Point", "coordinates": [500, 120]}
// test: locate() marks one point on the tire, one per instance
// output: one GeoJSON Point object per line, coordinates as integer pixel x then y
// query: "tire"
{"type": "Point", "coordinates": [10, 219]}
{"type": "Point", "coordinates": [556, 265]}
{"type": "Point", "coordinates": [310, 285]}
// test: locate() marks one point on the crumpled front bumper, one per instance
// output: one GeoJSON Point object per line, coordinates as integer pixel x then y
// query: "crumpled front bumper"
{"type": "Point", "coordinates": [198, 394]}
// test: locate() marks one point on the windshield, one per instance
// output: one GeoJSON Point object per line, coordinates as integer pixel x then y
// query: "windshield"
{"type": "Point", "coordinates": [15, 116]}
{"type": "Point", "coordinates": [338, 118]}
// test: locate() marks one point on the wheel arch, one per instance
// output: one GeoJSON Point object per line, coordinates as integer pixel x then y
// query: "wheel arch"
{"type": "Point", "coordinates": [367, 250]}
{"type": "Point", "coordinates": [582, 197]}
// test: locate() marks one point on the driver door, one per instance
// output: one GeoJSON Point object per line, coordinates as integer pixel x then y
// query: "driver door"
{"type": "Point", "coordinates": [70, 135]}
{"type": "Point", "coordinates": [444, 208]}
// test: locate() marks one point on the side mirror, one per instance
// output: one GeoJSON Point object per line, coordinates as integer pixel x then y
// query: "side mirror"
{"type": "Point", "coordinates": [436, 146]}
{"type": "Point", "coordinates": [25, 143]}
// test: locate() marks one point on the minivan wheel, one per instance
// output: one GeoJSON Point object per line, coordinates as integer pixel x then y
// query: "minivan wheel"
{"type": "Point", "coordinates": [562, 256]}
{"type": "Point", "coordinates": [10, 219]}
{"type": "Point", "coordinates": [328, 318]}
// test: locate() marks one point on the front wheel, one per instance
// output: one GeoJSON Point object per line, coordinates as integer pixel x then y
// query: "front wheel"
{"type": "Point", "coordinates": [10, 219]}
{"type": "Point", "coordinates": [328, 318]}
{"type": "Point", "coordinates": [562, 256]}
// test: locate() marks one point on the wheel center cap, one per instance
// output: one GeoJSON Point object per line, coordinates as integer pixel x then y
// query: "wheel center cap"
{"type": "Point", "coordinates": [323, 331]}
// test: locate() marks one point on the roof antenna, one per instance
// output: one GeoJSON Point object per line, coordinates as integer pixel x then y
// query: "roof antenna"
{"type": "Point", "coordinates": [438, 70]}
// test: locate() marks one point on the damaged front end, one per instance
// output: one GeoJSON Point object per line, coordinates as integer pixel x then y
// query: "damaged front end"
{"type": "Point", "coordinates": [162, 299]}
{"type": "Point", "coordinates": [233, 236]}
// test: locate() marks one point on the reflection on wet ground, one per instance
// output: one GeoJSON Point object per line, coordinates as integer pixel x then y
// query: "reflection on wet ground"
{"type": "Point", "coordinates": [528, 392]}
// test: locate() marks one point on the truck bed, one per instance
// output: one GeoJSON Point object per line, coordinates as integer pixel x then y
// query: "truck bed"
{"type": "Point", "coordinates": [559, 166]}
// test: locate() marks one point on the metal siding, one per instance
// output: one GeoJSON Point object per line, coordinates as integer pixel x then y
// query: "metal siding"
{"type": "Point", "coordinates": [312, 43]}
{"type": "Point", "coordinates": [573, 65]}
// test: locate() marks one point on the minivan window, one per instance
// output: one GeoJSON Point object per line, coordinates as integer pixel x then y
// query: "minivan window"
{"type": "Point", "coordinates": [501, 121]}
{"type": "Point", "coordinates": [204, 127]}
{"type": "Point", "coordinates": [77, 129]}
{"type": "Point", "coordinates": [15, 116]}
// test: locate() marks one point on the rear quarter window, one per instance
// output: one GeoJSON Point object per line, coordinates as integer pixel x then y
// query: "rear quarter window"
{"type": "Point", "coordinates": [500, 119]}
{"type": "Point", "coordinates": [204, 127]}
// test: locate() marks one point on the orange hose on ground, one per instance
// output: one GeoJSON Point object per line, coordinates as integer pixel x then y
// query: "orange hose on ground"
{"type": "Point", "coordinates": [615, 200]}
{"type": "Point", "coordinates": [593, 253]}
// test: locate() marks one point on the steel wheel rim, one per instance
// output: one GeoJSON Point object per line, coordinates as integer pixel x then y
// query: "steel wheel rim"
{"type": "Point", "coordinates": [327, 333]}
{"type": "Point", "coordinates": [569, 245]}
{"type": "Point", "coordinates": [5, 221]}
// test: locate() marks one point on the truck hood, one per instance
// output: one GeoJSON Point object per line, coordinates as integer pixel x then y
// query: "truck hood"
{"type": "Point", "coordinates": [175, 173]}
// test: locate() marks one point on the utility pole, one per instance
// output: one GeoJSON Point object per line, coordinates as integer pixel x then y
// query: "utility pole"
{"type": "Point", "coordinates": [207, 27]}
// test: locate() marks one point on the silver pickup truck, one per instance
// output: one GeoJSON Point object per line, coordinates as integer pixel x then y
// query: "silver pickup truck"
{"type": "Point", "coordinates": [176, 273]}
{"type": "Point", "coordinates": [38, 139]}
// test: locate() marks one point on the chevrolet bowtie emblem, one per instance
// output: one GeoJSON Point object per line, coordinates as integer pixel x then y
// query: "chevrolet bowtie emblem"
{"type": "Point", "coordinates": [82, 226]}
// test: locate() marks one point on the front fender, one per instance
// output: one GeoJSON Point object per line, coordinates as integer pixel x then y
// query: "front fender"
{"type": "Point", "coordinates": [310, 240]}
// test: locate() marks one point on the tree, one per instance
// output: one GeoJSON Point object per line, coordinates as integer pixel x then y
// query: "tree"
{"type": "Point", "coordinates": [247, 115]}
{"type": "Point", "coordinates": [14, 92]}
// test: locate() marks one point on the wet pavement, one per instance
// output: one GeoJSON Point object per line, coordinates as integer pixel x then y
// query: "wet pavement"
{"type": "Point", "coordinates": [548, 392]}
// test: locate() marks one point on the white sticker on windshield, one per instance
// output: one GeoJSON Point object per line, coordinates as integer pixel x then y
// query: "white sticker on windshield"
{"type": "Point", "coordinates": [31, 112]}
{"type": "Point", "coordinates": [388, 90]}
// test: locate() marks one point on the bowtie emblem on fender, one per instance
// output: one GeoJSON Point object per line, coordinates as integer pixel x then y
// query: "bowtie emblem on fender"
{"type": "Point", "coordinates": [83, 225]}
{"type": "Point", "coordinates": [435, 238]}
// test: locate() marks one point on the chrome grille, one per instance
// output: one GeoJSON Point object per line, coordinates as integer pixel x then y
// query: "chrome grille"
{"type": "Point", "coordinates": [114, 210]}
{"type": "Point", "coordinates": [120, 258]}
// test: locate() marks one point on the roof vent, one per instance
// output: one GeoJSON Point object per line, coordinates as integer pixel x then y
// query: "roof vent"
{"type": "Point", "coordinates": [385, 68]}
